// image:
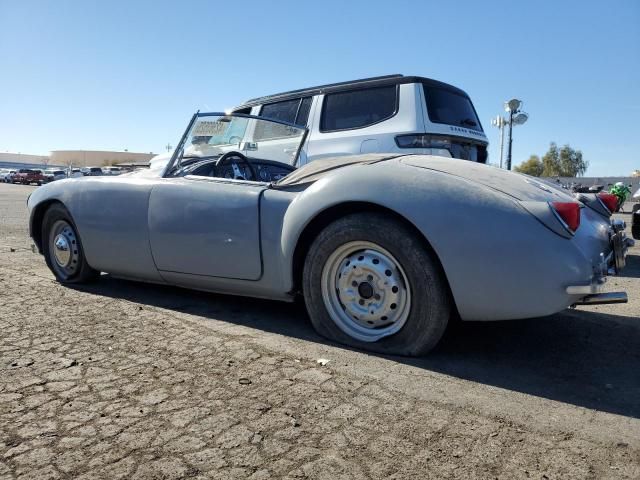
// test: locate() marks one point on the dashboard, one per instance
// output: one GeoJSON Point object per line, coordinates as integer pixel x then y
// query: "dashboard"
{"type": "Point", "coordinates": [266, 170]}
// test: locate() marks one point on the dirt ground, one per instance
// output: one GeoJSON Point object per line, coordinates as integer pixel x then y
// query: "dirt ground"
{"type": "Point", "coordinates": [126, 380]}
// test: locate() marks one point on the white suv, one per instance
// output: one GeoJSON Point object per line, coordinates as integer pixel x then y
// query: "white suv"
{"type": "Point", "coordinates": [387, 114]}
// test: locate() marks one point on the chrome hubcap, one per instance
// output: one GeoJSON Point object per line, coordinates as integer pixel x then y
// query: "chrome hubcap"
{"type": "Point", "coordinates": [365, 291]}
{"type": "Point", "coordinates": [64, 247]}
{"type": "Point", "coordinates": [61, 251]}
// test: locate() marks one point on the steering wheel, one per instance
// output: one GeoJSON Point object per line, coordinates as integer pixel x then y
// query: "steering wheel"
{"type": "Point", "coordinates": [237, 173]}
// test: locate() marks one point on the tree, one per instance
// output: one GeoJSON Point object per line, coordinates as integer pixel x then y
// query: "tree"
{"type": "Point", "coordinates": [551, 162]}
{"type": "Point", "coordinates": [532, 167]}
{"type": "Point", "coordinates": [563, 162]}
{"type": "Point", "coordinates": [571, 162]}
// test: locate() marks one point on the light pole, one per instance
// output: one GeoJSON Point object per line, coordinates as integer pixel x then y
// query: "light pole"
{"type": "Point", "coordinates": [516, 117]}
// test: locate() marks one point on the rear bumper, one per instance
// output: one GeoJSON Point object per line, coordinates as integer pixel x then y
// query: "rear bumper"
{"type": "Point", "coordinates": [611, 262]}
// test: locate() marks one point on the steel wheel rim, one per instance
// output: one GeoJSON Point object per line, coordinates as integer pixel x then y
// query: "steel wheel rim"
{"type": "Point", "coordinates": [365, 291]}
{"type": "Point", "coordinates": [64, 249]}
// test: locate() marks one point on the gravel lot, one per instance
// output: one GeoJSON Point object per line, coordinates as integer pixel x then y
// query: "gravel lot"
{"type": "Point", "coordinates": [126, 380]}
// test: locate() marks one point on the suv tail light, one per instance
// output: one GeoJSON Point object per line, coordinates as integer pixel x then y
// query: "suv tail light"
{"type": "Point", "coordinates": [422, 141]}
{"type": "Point", "coordinates": [456, 146]}
{"type": "Point", "coordinates": [609, 200]}
{"type": "Point", "coordinates": [568, 213]}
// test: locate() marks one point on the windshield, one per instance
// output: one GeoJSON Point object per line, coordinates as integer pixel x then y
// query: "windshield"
{"type": "Point", "coordinates": [211, 135]}
{"type": "Point", "coordinates": [452, 108]}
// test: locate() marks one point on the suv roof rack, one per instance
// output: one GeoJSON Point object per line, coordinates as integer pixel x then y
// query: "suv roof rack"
{"type": "Point", "coordinates": [380, 81]}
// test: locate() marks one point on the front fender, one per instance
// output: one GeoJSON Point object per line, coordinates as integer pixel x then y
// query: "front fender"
{"type": "Point", "coordinates": [111, 216]}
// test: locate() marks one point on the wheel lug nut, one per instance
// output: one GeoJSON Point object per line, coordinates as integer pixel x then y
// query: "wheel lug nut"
{"type": "Point", "coordinates": [361, 302]}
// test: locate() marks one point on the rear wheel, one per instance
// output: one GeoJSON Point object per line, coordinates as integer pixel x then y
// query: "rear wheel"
{"type": "Point", "coordinates": [62, 247]}
{"type": "Point", "coordinates": [370, 282]}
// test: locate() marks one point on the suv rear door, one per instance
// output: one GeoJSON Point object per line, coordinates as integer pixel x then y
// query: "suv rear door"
{"type": "Point", "coordinates": [452, 126]}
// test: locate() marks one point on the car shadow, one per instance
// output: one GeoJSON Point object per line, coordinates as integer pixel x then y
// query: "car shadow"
{"type": "Point", "coordinates": [585, 358]}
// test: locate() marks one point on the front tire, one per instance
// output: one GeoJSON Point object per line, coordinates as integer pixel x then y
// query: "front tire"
{"type": "Point", "coordinates": [62, 247]}
{"type": "Point", "coordinates": [370, 282]}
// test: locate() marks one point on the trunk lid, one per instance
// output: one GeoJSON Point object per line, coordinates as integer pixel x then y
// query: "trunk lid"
{"type": "Point", "coordinates": [516, 185]}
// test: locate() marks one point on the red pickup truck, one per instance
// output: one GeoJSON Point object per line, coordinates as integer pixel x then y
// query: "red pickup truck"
{"type": "Point", "coordinates": [27, 176]}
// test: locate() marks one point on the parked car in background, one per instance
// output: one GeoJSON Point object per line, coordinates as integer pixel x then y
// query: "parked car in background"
{"type": "Point", "coordinates": [7, 175]}
{"type": "Point", "coordinates": [389, 114]}
{"type": "Point", "coordinates": [28, 176]}
{"type": "Point", "coordinates": [111, 170]}
{"type": "Point", "coordinates": [635, 215]}
{"type": "Point", "coordinates": [74, 173]}
{"type": "Point", "coordinates": [92, 171]}
{"type": "Point", "coordinates": [52, 174]}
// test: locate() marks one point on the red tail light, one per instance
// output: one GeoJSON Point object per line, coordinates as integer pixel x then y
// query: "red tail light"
{"type": "Point", "coordinates": [569, 213]}
{"type": "Point", "coordinates": [609, 200]}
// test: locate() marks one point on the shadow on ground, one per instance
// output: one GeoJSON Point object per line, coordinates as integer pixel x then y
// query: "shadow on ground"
{"type": "Point", "coordinates": [584, 358]}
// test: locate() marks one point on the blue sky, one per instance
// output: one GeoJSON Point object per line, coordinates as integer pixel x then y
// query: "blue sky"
{"type": "Point", "coordinates": [128, 74]}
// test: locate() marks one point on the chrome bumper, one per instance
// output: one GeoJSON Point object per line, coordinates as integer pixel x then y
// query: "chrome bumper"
{"type": "Point", "coordinates": [611, 264]}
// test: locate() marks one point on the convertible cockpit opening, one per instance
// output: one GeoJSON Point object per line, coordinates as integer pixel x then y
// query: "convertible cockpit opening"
{"type": "Point", "coordinates": [237, 146]}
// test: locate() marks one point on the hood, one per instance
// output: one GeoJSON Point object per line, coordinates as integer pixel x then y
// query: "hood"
{"type": "Point", "coordinates": [516, 185]}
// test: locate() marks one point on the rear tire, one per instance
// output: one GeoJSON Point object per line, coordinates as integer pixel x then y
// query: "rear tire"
{"type": "Point", "coordinates": [62, 247]}
{"type": "Point", "coordinates": [370, 282]}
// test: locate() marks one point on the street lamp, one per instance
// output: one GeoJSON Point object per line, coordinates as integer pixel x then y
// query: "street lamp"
{"type": "Point", "coordinates": [515, 117]}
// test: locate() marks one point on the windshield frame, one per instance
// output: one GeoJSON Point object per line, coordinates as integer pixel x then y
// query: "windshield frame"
{"type": "Point", "coordinates": [174, 163]}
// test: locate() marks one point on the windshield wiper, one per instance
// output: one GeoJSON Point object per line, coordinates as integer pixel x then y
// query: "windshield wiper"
{"type": "Point", "coordinates": [468, 121]}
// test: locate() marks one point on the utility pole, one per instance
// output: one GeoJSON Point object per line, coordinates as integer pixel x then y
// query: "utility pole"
{"type": "Point", "coordinates": [510, 140]}
{"type": "Point", "coordinates": [500, 122]}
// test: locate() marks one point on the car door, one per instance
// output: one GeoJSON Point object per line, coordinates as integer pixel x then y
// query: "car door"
{"type": "Point", "coordinates": [206, 226]}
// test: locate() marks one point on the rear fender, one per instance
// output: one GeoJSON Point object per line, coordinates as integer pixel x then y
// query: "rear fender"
{"type": "Point", "coordinates": [499, 260]}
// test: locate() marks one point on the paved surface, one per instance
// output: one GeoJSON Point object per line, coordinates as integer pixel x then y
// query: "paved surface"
{"type": "Point", "coordinates": [125, 380]}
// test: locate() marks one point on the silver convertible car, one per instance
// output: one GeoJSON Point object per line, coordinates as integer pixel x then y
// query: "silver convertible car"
{"type": "Point", "coordinates": [385, 249]}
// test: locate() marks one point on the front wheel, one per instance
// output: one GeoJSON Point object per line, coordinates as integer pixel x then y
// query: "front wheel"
{"type": "Point", "coordinates": [370, 282]}
{"type": "Point", "coordinates": [62, 247]}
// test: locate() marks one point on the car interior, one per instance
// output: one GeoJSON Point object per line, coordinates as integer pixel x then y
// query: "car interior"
{"type": "Point", "coordinates": [238, 166]}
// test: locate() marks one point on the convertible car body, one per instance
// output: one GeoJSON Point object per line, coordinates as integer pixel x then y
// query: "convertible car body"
{"type": "Point", "coordinates": [384, 248]}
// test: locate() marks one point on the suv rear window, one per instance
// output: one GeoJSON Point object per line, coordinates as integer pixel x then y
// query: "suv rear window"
{"type": "Point", "coordinates": [358, 108]}
{"type": "Point", "coordinates": [451, 108]}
